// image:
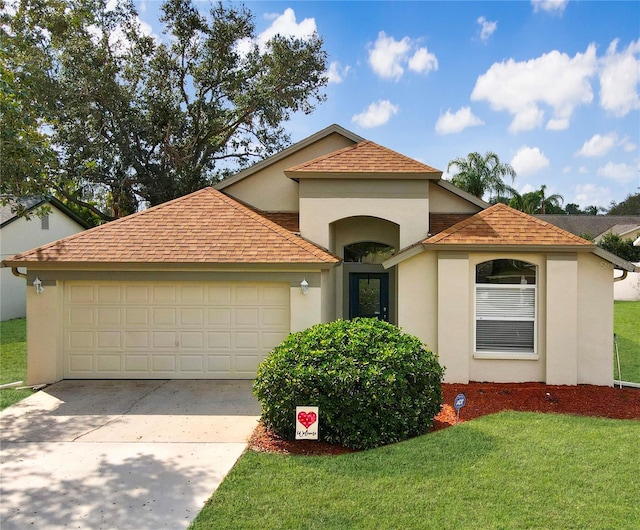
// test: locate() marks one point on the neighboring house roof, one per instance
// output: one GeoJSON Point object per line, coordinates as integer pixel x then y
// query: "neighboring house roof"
{"type": "Point", "coordinates": [500, 226]}
{"type": "Point", "coordinates": [203, 227]}
{"type": "Point", "coordinates": [364, 159]}
{"type": "Point", "coordinates": [327, 131]}
{"type": "Point", "coordinates": [8, 215]}
{"type": "Point", "coordinates": [591, 225]}
{"type": "Point", "coordinates": [621, 230]}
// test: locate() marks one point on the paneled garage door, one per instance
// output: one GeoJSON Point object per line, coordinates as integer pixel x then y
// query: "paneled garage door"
{"type": "Point", "coordinates": [186, 330]}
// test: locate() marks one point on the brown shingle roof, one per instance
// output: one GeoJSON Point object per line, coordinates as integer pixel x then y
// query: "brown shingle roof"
{"type": "Point", "coordinates": [502, 225]}
{"type": "Point", "coordinates": [364, 157]}
{"type": "Point", "coordinates": [203, 227]}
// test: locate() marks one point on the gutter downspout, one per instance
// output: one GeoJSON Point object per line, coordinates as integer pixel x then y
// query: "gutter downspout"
{"type": "Point", "coordinates": [16, 272]}
{"type": "Point", "coordinates": [620, 278]}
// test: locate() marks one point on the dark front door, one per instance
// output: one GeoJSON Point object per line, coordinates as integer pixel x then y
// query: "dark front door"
{"type": "Point", "coordinates": [369, 295]}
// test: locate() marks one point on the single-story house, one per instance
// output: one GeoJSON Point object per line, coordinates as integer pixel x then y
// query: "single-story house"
{"type": "Point", "coordinates": [332, 227]}
{"type": "Point", "coordinates": [20, 233]}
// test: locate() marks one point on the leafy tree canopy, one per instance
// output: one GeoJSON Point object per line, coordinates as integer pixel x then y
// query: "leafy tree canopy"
{"type": "Point", "coordinates": [622, 248]}
{"type": "Point", "coordinates": [630, 206]}
{"type": "Point", "coordinates": [115, 118]}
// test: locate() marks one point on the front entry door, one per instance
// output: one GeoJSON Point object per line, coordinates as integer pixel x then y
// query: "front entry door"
{"type": "Point", "coordinates": [369, 295]}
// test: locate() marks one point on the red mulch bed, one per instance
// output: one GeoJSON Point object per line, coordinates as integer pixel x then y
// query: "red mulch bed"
{"type": "Point", "coordinates": [488, 398]}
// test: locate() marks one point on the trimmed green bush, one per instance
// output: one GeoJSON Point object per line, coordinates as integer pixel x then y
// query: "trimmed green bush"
{"type": "Point", "coordinates": [373, 383]}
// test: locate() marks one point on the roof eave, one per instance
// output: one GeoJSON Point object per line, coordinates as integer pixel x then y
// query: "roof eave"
{"type": "Point", "coordinates": [616, 261]}
{"type": "Point", "coordinates": [356, 175]}
{"type": "Point", "coordinates": [167, 266]}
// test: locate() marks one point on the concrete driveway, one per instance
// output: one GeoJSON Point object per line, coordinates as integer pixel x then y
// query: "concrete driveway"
{"type": "Point", "coordinates": [120, 454]}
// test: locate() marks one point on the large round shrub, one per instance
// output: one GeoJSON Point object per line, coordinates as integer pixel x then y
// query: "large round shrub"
{"type": "Point", "coordinates": [373, 383]}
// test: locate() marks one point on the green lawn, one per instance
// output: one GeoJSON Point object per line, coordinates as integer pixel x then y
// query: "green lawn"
{"type": "Point", "coordinates": [627, 328]}
{"type": "Point", "coordinates": [509, 470]}
{"type": "Point", "coordinates": [13, 360]}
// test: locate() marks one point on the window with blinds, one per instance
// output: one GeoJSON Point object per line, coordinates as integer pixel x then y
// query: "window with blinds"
{"type": "Point", "coordinates": [505, 311]}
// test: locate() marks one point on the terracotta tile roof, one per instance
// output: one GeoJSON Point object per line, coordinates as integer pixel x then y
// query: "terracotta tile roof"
{"type": "Point", "coordinates": [364, 157]}
{"type": "Point", "coordinates": [203, 227]}
{"type": "Point", "coordinates": [502, 225]}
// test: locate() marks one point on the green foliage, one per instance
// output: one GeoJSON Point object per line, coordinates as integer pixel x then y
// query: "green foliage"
{"type": "Point", "coordinates": [537, 201]}
{"type": "Point", "coordinates": [622, 248]}
{"type": "Point", "coordinates": [479, 174]}
{"type": "Point", "coordinates": [627, 330]}
{"type": "Point", "coordinates": [630, 206]}
{"type": "Point", "coordinates": [134, 120]}
{"type": "Point", "coordinates": [373, 384]}
{"type": "Point", "coordinates": [13, 360]}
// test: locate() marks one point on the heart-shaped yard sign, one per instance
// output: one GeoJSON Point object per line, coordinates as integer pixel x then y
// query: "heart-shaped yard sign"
{"type": "Point", "coordinates": [307, 418]}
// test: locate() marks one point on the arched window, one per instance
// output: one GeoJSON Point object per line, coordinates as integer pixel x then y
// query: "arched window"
{"type": "Point", "coordinates": [367, 252]}
{"type": "Point", "coordinates": [505, 313]}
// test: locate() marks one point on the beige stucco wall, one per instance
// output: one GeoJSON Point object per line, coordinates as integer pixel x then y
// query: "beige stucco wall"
{"type": "Point", "coordinates": [44, 335]}
{"type": "Point", "coordinates": [21, 235]}
{"type": "Point", "coordinates": [418, 298]}
{"type": "Point", "coordinates": [629, 288]}
{"type": "Point", "coordinates": [595, 321]}
{"type": "Point", "coordinates": [443, 201]}
{"type": "Point", "coordinates": [270, 189]}
{"type": "Point", "coordinates": [436, 297]}
{"type": "Point", "coordinates": [322, 202]}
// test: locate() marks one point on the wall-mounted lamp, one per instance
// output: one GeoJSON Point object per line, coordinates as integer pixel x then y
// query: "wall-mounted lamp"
{"type": "Point", "coordinates": [304, 286]}
{"type": "Point", "coordinates": [37, 284]}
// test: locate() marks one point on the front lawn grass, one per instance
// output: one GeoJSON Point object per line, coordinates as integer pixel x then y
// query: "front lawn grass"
{"type": "Point", "coordinates": [627, 328]}
{"type": "Point", "coordinates": [508, 470]}
{"type": "Point", "coordinates": [13, 360]}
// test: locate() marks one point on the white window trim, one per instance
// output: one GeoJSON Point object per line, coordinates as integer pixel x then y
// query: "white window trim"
{"type": "Point", "coordinates": [527, 356]}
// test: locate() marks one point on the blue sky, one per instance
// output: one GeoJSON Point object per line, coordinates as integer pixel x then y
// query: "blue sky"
{"type": "Point", "coordinates": [553, 87]}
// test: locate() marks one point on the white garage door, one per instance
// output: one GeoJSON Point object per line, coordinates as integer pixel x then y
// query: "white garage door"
{"type": "Point", "coordinates": [186, 330]}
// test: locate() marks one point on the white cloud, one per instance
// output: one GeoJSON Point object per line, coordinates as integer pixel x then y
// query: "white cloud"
{"type": "Point", "coordinates": [337, 72]}
{"type": "Point", "coordinates": [628, 145]}
{"type": "Point", "coordinates": [622, 172]}
{"type": "Point", "coordinates": [566, 170]}
{"type": "Point", "coordinates": [487, 28]}
{"type": "Point", "coordinates": [287, 26]}
{"type": "Point", "coordinates": [553, 79]}
{"type": "Point", "coordinates": [591, 195]}
{"type": "Point", "coordinates": [619, 79]}
{"type": "Point", "coordinates": [423, 62]}
{"type": "Point", "coordinates": [550, 6]}
{"type": "Point", "coordinates": [388, 57]}
{"type": "Point", "coordinates": [453, 123]}
{"type": "Point", "coordinates": [598, 145]}
{"type": "Point", "coordinates": [377, 114]}
{"type": "Point", "coordinates": [583, 170]}
{"type": "Point", "coordinates": [529, 160]}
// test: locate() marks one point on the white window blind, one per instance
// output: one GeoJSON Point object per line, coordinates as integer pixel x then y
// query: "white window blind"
{"type": "Point", "coordinates": [505, 318]}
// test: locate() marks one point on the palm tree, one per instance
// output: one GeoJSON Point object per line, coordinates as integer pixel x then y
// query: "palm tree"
{"type": "Point", "coordinates": [479, 174]}
{"type": "Point", "coordinates": [537, 202]}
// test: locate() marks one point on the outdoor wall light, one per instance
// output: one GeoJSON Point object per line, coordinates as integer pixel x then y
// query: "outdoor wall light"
{"type": "Point", "coordinates": [37, 284]}
{"type": "Point", "coordinates": [304, 286]}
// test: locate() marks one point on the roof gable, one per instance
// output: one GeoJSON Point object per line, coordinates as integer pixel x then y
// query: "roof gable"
{"type": "Point", "coordinates": [8, 216]}
{"type": "Point", "coordinates": [302, 144]}
{"type": "Point", "coordinates": [502, 225]}
{"type": "Point", "coordinates": [203, 227]}
{"type": "Point", "coordinates": [365, 158]}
